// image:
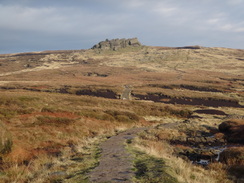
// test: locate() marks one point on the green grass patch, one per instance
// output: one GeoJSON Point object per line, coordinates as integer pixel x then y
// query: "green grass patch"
{"type": "Point", "coordinates": [6, 113]}
{"type": "Point", "coordinates": [27, 98]}
{"type": "Point", "coordinates": [151, 169]}
{"type": "Point", "coordinates": [83, 164]}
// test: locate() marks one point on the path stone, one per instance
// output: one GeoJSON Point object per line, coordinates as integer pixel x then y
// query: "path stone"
{"type": "Point", "coordinates": [116, 162]}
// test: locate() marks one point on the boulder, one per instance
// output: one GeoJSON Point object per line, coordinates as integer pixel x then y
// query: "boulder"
{"type": "Point", "coordinates": [5, 140]}
{"type": "Point", "coordinates": [134, 42]}
{"type": "Point", "coordinates": [116, 44]}
{"type": "Point", "coordinates": [225, 126]}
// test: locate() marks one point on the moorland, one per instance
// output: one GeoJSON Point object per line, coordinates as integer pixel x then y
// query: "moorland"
{"type": "Point", "coordinates": [57, 107]}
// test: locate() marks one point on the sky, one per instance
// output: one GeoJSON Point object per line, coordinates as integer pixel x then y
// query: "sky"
{"type": "Point", "coordinates": [38, 25]}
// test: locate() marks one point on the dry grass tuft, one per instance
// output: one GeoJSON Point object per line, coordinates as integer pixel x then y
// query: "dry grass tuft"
{"type": "Point", "coordinates": [183, 171]}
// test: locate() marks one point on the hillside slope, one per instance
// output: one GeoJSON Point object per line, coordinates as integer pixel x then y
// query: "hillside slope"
{"type": "Point", "coordinates": [56, 107]}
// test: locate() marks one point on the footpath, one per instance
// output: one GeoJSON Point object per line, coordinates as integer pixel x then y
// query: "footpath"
{"type": "Point", "coordinates": [116, 163]}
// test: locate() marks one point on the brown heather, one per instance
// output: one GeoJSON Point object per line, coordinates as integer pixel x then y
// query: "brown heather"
{"type": "Point", "coordinates": [58, 106]}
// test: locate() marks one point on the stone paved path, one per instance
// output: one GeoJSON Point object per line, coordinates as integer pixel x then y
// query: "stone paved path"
{"type": "Point", "coordinates": [116, 163]}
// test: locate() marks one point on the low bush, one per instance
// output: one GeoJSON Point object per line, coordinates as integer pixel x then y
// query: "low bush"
{"type": "Point", "coordinates": [160, 110]}
{"type": "Point", "coordinates": [5, 140]}
{"type": "Point", "coordinates": [233, 130]}
{"type": "Point", "coordinates": [237, 171]}
{"type": "Point", "coordinates": [123, 116]}
{"type": "Point", "coordinates": [48, 120]}
{"type": "Point", "coordinates": [96, 114]}
{"type": "Point", "coordinates": [233, 156]}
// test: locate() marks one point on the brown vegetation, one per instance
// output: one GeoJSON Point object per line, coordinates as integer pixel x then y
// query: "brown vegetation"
{"type": "Point", "coordinates": [56, 106]}
{"type": "Point", "coordinates": [233, 130]}
{"type": "Point", "coordinates": [233, 158]}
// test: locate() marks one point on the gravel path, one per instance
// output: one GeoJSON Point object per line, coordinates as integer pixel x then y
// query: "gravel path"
{"type": "Point", "coordinates": [116, 163]}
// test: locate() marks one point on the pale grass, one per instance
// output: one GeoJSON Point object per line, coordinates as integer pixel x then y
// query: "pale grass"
{"type": "Point", "coordinates": [36, 169]}
{"type": "Point", "coordinates": [131, 67]}
{"type": "Point", "coordinates": [185, 172]}
{"type": "Point", "coordinates": [153, 118]}
{"type": "Point", "coordinates": [121, 128]}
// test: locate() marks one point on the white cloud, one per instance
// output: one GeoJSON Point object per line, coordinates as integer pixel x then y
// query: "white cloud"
{"type": "Point", "coordinates": [213, 21]}
{"type": "Point", "coordinates": [134, 3]}
{"type": "Point", "coordinates": [165, 11]}
{"type": "Point", "coordinates": [66, 20]}
{"type": "Point", "coordinates": [31, 19]}
{"type": "Point", "coordinates": [226, 27]}
{"type": "Point", "coordinates": [235, 2]}
{"type": "Point", "coordinates": [178, 22]}
{"type": "Point", "coordinates": [223, 23]}
{"type": "Point", "coordinates": [241, 29]}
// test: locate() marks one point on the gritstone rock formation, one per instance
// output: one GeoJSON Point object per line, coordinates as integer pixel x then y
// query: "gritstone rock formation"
{"type": "Point", "coordinates": [115, 44]}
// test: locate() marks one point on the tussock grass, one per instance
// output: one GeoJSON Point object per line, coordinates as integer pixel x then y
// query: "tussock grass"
{"type": "Point", "coordinates": [151, 169]}
{"type": "Point", "coordinates": [49, 129]}
{"type": "Point", "coordinates": [156, 142]}
{"type": "Point", "coordinates": [60, 126]}
{"type": "Point", "coordinates": [182, 171]}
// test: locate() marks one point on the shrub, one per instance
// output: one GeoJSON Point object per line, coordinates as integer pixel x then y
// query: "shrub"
{"type": "Point", "coordinates": [123, 116]}
{"type": "Point", "coordinates": [233, 156]}
{"type": "Point", "coordinates": [233, 130]}
{"type": "Point", "coordinates": [96, 114]}
{"type": "Point", "coordinates": [184, 113]}
{"type": "Point", "coordinates": [48, 120]}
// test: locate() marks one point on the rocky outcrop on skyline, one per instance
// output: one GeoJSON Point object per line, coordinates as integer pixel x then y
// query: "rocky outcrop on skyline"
{"type": "Point", "coordinates": [116, 44]}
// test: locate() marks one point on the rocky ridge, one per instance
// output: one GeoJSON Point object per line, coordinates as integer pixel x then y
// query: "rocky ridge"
{"type": "Point", "coordinates": [115, 44]}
